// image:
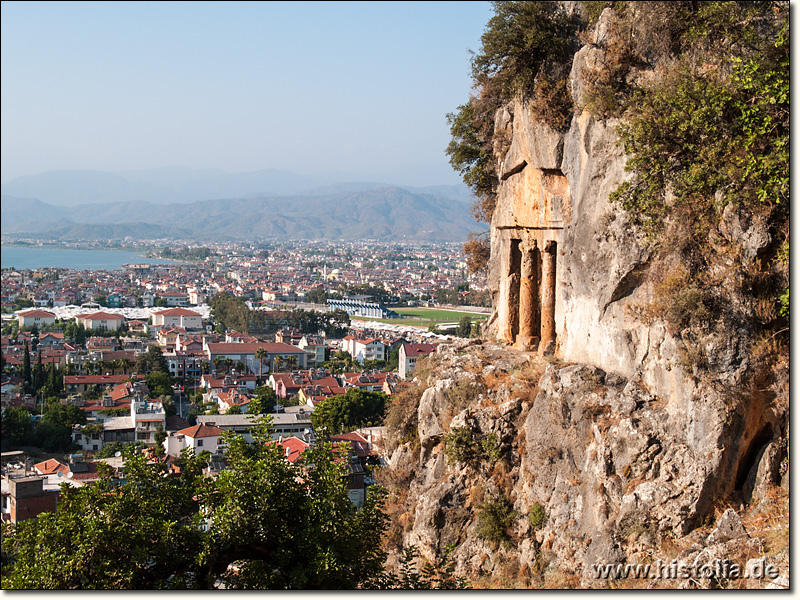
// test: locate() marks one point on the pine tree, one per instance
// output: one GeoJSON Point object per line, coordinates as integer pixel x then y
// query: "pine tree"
{"type": "Point", "coordinates": [26, 366]}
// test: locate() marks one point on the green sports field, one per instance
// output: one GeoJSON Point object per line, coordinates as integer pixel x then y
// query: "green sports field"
{"type": "Point", "coordinates": [423, 317]}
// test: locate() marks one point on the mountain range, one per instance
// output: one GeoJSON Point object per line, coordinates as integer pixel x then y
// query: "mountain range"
{"type": "Point", "coordinates": [210, 205]}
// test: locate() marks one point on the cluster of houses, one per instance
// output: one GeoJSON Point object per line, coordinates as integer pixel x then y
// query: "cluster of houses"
{"type": "Point", "coordinates": [226, 370]}
{"type": "Point", "coordinates": [406, 273]}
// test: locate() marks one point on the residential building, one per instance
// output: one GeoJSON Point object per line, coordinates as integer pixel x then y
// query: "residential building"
{"type": "Point", "coordinates": [314, 347]}
{"type": "Point", "coordinates": [26, 498]}
{"type": "Point", "coordinates": [35, 317]}
{"type": "Point", "coordinates": [409, 354]}
{"type": "Point", "coordinates": [175, 298]}
{"type": "Point", "coordinates": [363, 350]}
{"type": "Point", "coordinates": [199, 438]}
{"type": "Point", "coordinates": [178, 317]}
{"type": "Point", "coordinates": [100, 320]}
{"type": "Point", "coordinates": [276, 353]}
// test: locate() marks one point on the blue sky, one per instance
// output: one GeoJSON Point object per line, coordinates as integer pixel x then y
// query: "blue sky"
{"type": "Point", "coordinates": [358, 88]}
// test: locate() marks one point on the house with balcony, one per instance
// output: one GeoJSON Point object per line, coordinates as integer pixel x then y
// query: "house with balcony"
{"type": "Point", "coordinates": [314, 347]}
{"type": "Point", "coordinates": [148, 417]}
{"type": "Point", "coordinates": [363, 350]}
{"type": "Point", "coordinates": [175, 298]}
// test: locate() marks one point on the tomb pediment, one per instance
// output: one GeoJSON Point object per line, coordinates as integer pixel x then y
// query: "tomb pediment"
{"type": "Point", "coordinates": [534, 198]}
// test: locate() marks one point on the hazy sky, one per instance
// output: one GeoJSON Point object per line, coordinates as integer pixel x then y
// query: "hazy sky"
{"type": "Point", "coordinates": [309, 87]}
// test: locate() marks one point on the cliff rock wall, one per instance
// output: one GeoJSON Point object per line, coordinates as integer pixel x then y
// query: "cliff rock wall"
{"type": "Point", "coordinates": [597, 414]}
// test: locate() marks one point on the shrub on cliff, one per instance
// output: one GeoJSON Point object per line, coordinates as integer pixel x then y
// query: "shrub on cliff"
{"type": "Point", "coordinates": [495, 518]}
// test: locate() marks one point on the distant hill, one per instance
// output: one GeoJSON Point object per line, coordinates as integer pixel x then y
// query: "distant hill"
{"type": "Point", "coordinates": [386, 213]}
{"type": "Point", "coordinates": [71, 188]}
{"type": "Point", "coordinates": [170, 185]}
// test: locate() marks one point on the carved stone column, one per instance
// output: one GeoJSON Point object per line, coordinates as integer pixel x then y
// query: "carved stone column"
{"type": "Point", "coordinates": [547, 345]}
{"type": "Point", "coordinates": [529, 309]}
{"type": "Point", "coordinates": [511, 325]}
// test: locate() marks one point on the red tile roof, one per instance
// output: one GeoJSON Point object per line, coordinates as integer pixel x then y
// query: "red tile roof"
{"type": "Point", "coordinates": [51, 466]}
{"type": "Point", "coordinates": [36, 313]}
{"type": "Point", "coordinates": [201, 430]}
{"type": "Point", "coordinates": [271, 348]}
{"type": "Point", "coordinates": [177, 312]}
{"type": "Point", "coordinates": [293, 448]}
{"type": "Point", "coordinates": [101, 316]}
{"type": "Point", "coordinates": [419, 349]}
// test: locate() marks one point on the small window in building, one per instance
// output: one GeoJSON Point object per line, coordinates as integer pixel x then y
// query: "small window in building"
{"type": "Point", "coordinates": [199, 443]}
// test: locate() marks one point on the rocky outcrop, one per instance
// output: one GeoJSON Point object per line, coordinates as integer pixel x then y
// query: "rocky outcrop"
{"type": "Point", "coordinates": [615, 469]}
{"type": "Point", "coordinates": [623, 430]}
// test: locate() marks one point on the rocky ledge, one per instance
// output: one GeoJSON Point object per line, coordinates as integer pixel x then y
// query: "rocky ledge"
{"type": "Point", "coordinates": [591, 468]}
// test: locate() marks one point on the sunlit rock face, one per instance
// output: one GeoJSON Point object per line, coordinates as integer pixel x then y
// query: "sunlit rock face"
{"type": "Point", "coordinates": [623, 440]}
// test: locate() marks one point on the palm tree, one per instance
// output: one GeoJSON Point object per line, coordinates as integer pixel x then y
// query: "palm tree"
{"type": "Point", "coordinates": [291, 361]}
{"type": "Point", "coordinates": [228, 364]}
{"type": "Point", "coordinates": [260, 355]}
{"type": "Point", "coordinates": [125, 362]}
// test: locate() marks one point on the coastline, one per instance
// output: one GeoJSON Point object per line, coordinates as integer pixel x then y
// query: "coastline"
{"type": "Point", "coordinates": [78, 262]}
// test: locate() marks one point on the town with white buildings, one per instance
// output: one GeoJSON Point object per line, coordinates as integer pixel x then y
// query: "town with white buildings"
{"type": "Point", "coordinates": [139, 356]}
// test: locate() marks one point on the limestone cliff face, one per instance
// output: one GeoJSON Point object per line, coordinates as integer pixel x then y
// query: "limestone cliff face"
{"type": "Point", "coordinates": [618, 438]}
{"type": "Point", "coordinates": [614, 470]}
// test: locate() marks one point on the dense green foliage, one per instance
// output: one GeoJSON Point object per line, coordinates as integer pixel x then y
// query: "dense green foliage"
{"type": "Point", "coordinates": [462, 445]}
{"type": "Point", "coordinates": [470, 152]}
{"type": "Point", "coordinates": [186, 253]}
{"type": "Point", "coordinates": [52, 432]}
{"type": "Point", "coordinates": [281, 525]}
{"type": "Point", "coordinates": [464, 326]}
{"type": "Point", "coordinates": [345, 412]}
{"type": "Point", "coordinates": [232, 313]}
{"type": "Point", "coordinates": [152, 360]}
{"type": "Point", "coordinates": [495, 518]}
{"type": "Point", "coordinates": [160, 384]}
{"type": "Point", "coordinates": [708, 141]}
{"type": "Point", "coordinates": [536, 516]}
{"type": "Point", "coordinates": [334, 323]}
{"type": "Point", "coordinates": [263, 401]}
{"type": "Point", "coordinates": [518, 45]}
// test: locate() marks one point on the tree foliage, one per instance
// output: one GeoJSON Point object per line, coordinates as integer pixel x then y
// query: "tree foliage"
{"type": "Point", "coordinates": [263, 401]}
{"type": "Point", "coordinates": [519, 42]}
{"type": "Point", "coordinates": [262, 523]}
{"type": "Point", "coordinates": [495, 518]}
{"type": "Point", "coordinates": [704, 141]}
{"type": "Point", "coordinates": [152, 360]}
{"type": "Point", "coordinates": [345, 412]}
{"type": "Point", "coordinates": [160, 384]}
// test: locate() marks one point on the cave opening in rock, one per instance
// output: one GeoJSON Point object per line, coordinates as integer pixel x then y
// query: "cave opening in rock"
{"type": "Point", "coordinates": [749, 458]}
